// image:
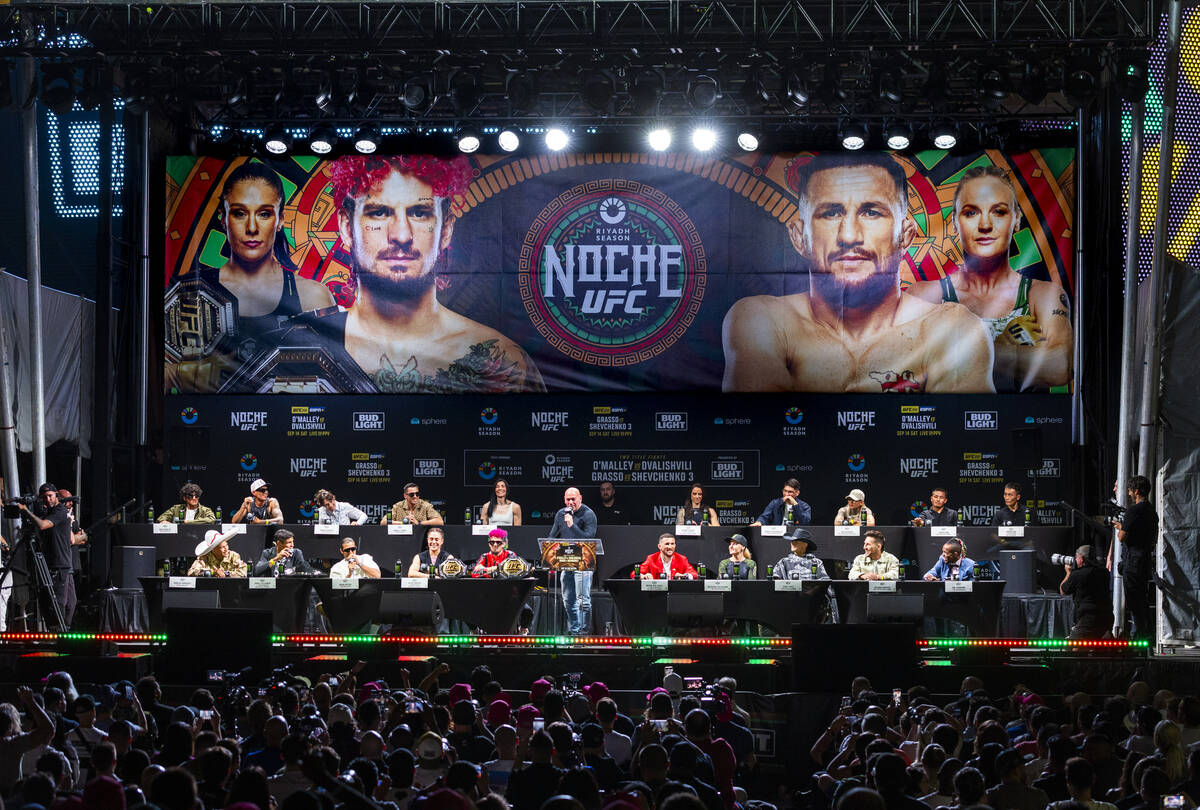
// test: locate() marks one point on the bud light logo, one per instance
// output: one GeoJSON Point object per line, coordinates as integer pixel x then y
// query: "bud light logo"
{"type": "Point", "coordinates": [189, 416]}
{"type": "Point", "coordinates": [489, 416]}
{"type": "Point", "coordinates": [612, 272]}
{"type": "Point", "coordinates": [307, 508]}
{"type": "Point", "coordinates": [916, 508]}
{"type": "Point", "coordinates": [249, 462]}
{"type": "Point", "coordinates": [856, 462]}
{"type": "Point", "coordinates": [487, 471]}
{"type": "Point", "coordinates": [793, 416]}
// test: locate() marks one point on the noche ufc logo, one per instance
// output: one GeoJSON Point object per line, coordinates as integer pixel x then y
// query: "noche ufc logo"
{"type": "Point", "coordinates": [856, 420]}
{"type": "Point", "coordinates": [248, 420]}
{"type": "Point", "coordinates": [612, 272]}
{"type": "Point", "coordinates": [308, 467]}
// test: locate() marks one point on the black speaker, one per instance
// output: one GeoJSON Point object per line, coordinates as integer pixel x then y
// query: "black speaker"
{"type": "Point", "coordinates": [201, 640]}
{"type": "Point", "coordinates": [895, 607]}
{"type": "Point", "coordinates": [131, 562]}
{"type": "Point", "coordinates": [1017, 568]}
{"type": "Point", "coordinates": [414, 611]}
{"type": "Point", "coordinates": [826, 657]}
{"type": "Point", "coordinates": [207, 600]}
{"type": "Point", "coordinates": [695, 609]}
{"type": "Point", "coordinates": [1027, 449]}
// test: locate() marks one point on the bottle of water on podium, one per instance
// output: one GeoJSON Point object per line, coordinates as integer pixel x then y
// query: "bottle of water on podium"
{"type": "Point", "coordinates": [467, 517]}
{"type": "Point", "coordinates": [218, 514]}
{"type": "Point", "coordinates": [150, 513]}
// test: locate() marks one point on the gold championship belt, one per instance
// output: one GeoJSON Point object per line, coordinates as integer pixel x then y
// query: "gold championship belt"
{"type": "Point", "coordinates": [200, 335]}
{"type": "Point", "coordinates": [452, 569]}
{"type": "Point", "coordinates": [1021, 331]}
{"type": "Point", "coordinates": [512, 568]}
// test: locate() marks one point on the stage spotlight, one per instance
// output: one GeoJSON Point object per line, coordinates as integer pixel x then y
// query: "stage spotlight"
{"type": "Point", "coordinates": [557, 139]}
{"type": "Point", "coordinates": [464, 92]}
{"type": "Point", "coordinates": [597, 90]}
{"type": "Point", "coordinates": [646, 92]}
{"type": "Point", "coordinates": [944, 135]}
{"type": "Point", "coordinates": [796, 86]}
{"type": "Point", "coordinates": [325, 98]}
{"type": "Point", "coordinates": [754, 92]}
{"type": "Point", "coordinates": [415, 95]}
{"type": "Point", "coordinates": [58, 87]}
{"type": "Point", "coordinates": [366, 140]}
{"type": "Point", "coordinates": [898, 136]}
{"type": "Point", "coordinates": [704, 139]}
{"type": "Point", "coordinates": [1032, 85]}
{"type": "Point", "coordinates": [993, 82]}
{"type": "Point", "coordinates": [277, 140]}
{"type": "Point", "coordinates": [468, 141]}
{"type": "Point", "coordinates": [854, 136]}
{"type": "Point", "coordinates": [702, 92]}
{"type": "Point", "coordinates": [521, 91]}
{"type": "Point", "coordinates": [508, 140]}
{"type": "Point", "coordinates": [747, 141]}
{"type": "Point", "coordinates": [891, 89]}
{"type": "Point", "coordinates": [1079, 80]}
{"type": "Point", "coordinates": [659, 139]}
{"type": "Point", "coordinates": [322, 140]}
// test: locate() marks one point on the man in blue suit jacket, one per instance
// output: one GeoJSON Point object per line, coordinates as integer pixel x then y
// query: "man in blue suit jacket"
{"type": "Point", "coordinates": [953, 564]}
{"type": "Point", "coordinates": [283, 559]}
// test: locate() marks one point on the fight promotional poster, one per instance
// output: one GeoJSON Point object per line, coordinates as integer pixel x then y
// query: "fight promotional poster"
{"type": "Point", "coordinates": [927, 273]}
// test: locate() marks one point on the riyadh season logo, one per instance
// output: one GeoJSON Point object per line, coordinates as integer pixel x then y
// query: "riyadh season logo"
{"type": "Point", "coordinates": [792, 418]}
{"type": "Point", "coordinates": [487, 471]}
{"type": "Point", "coordinates": [856, 462]}
{"type": "Point", "coordinates": [189, 415]}
{"type": "Point", "coordinates": [307, 508]}
{"type": "Point", "coordinates": [612, 272]}
{"type": "Point", "coordinates": [249, 462]}
{"type": "Point", "coordinates": [916, 508]}
{"type": "Point", "coordinates": [489, 416]}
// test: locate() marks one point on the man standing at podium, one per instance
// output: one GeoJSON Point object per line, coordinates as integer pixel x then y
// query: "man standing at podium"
{"type": "Point", "coordinates": [575, 522]}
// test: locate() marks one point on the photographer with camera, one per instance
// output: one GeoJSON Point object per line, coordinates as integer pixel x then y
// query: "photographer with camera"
{"type": "Point", "coordinates": [1137, 531]}
{"type": "Point", "coordinates": [54, 523]}
{"type": "Point", "coordinates": [1087, 583]}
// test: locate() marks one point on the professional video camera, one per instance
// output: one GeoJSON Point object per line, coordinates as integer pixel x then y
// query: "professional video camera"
{"type": "Point", "coordinates": [1062, 559]}
{"type": "Point", "coordinates": [1113, 513]}
{"type": "Point", "coordinates": [11, 508]}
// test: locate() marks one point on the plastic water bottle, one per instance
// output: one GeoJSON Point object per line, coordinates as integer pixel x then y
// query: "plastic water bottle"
{"type": "Point", "coordinates": [467, 516]}
{"type": "Point", "coordinates": [150, 513]}
{"type": "Point", "coordinates": [399, 568]}
{"type": "Point", "coordinates": [770, 571]}
{"type": "Point", "coordinates": [703, 569]}
{"type": "Point", "coordinates": [218, 514]}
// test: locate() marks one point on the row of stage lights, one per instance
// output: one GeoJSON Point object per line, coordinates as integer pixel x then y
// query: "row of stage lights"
{"type": "Point", "coordinates": [367, 138]}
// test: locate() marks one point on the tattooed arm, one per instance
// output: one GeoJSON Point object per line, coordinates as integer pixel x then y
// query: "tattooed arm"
{"type": "Point", "coordinates": [1048, 361]}
{"type": "Point", "coordinates": [489, 366]}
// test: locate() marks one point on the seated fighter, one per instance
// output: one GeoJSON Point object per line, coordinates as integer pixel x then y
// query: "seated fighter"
{"type": "Point", "coordinates": [1011, 513]}
{"type": "Point", "coordinates": [666, 564]}
{"type": "Point", "coordinates": [954, 564]}
{"type": "Point", "coordinates": [413, 509]}
{"type": "Point", "coordinates": [214, 557]}
{"type": "Point", "coordinates": [284, 559]}
{"type": "Point", "coordinates": [433, 556]}
{"type": "Point", "coordinates": [488, 565]}
{"type": "Point", "coordinates": [738, 565]}
{"type": "Point", "coordinates": [189, 510]}
{"type": "Point", "coordinates": [786, 510]}
{"type": "Point", "coordinates": [803, 564]}
{"type": "Point", "coordinates": [938, 514]}
{"type": "Point", "coordinates": [331, 511]}
{"type": "Point", "coordinates": [874, 562]}
{"type": "Point", "coordinates": [259, 507]}
{"type": "Point", "coordinates": [353, 565]}
{"type": "Point", "coordinates": [855, 512]}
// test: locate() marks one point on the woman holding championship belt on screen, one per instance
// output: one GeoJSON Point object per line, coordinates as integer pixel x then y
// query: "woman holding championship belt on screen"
{"type": "Point", "coordinates": [1029, 319]}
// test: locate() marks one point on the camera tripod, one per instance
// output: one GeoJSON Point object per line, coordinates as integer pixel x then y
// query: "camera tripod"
{"type": "Point", "coordinates": [43, 585]}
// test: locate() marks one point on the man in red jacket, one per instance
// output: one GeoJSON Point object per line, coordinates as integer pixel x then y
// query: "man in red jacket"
{"type": "Point", "coordinates": [676, 566]}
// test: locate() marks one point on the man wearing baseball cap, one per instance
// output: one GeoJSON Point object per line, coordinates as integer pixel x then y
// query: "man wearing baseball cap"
{"type": "Point", "coordinates": [855, 512]}
{"type": "Point", "coordinates": [52, 519]}
{"type": "Point", "coordinates": [259, 506]}
{"type": "Point", "coordinates": [214, 558]}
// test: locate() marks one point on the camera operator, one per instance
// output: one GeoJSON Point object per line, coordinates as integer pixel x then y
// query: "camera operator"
{"type": "Point", "coordinates": [1138, 531]}
{"type": "Point", "coordinates": [1087, 583]}
{"type": "Point", "coordinates": [52, 518]}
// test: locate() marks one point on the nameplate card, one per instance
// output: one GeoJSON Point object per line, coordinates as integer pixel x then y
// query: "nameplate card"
{"type": "Point", "coordinates": [718, 585]}
{"type": "Point", "coordinates": [943, 531]}
{"type": "Point", "coordinates": [881, 586]}
{"type": "Point", "coordinates": [687, 530]}
{"type": "Point", "coordinates": [481, 529]}
{"type": "Point", "coordinates": [1012, 531]}
{"type": "Point", "coordinates": [166, 528]}
{"type": "Point", "coordinates": [773, 531]}
{"type": "Point", "coordinates": [262, 583]}
{"type": "Point", "coordinates": [789, 585]}
{"type": "Point", "coordinates": [235, 528]}
{"type": "Point", "coordinates": [654, 584]}
{"type": "Point", "coordinates": [326, 528]}
{"type": "Point", "coordinates": [182, 582]}
{"type": "Point", "coordinates": [400, 528]}
{"type": "Point", "coordinates": [959, 586]}
{"type": "Point", "coordinates": [847, 531]}
{"type": "Point", "coordinates": [345, 583]}
{"type": "Point", "coordinates": [414, 583]}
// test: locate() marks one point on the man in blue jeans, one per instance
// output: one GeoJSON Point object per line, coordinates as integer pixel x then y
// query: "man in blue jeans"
{"type": "Point", "coordinates": [575, 522]}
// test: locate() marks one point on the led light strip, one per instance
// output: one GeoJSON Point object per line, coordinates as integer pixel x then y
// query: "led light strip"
{"type": "Point", "coordinates": [1139, 644]}
{"type": "Point", "coordinates": [145, 638]}
{"type": "Point", "coordinates": [536, 641]}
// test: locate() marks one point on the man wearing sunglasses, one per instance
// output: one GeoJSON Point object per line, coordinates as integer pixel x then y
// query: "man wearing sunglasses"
{"type": "Point", "coordinates": [489, 564]}
{"type": "Point", "coordinates": [259, 507]}
{"type": "Point", "coordinates": [413, 509]}
{"type": "Point", "coordinates": [353, 564]}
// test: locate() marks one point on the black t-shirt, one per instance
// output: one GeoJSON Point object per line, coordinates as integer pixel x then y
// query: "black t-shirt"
{"type": "Point", "coordinates": [1088, 587]}
{"type": "Point", "coordinates": [1140, 526]}
{"type": "Point", "coordinates": [610, 515]}
{"type": "Point", "coordinates": [56, 541]}
{"type": "Point", "coordinates": [1007, 517]}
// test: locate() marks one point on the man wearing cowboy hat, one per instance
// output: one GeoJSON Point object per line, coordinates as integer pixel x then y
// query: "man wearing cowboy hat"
{"type": "Point", "coordinates": [214, 557]}
{"type": "Point", "coordinates": [259, 506]}
{"type": "Point", "coordinates": [803, 564]}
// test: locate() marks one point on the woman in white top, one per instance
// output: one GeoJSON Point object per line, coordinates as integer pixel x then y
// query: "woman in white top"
{"type": "Point", "coordinates": [500, 511]}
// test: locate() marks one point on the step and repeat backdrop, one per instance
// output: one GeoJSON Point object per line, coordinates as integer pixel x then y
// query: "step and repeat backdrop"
{"type": "Point", "coordinates": [649, 320]}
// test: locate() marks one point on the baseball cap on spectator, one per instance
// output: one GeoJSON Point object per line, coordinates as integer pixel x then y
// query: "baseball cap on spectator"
{"type": "Point", "coordinates": [104, 793]}
{"type": "Point", "coordinates": [84, 704]}
{"type": "Point", "coordinates": [596, 691]}
{"type": "Point", "coordinates": [592, 736]}
{"type": "Point", "coordinates": [429, 747]}
{"type": "Point", "coordinates": [499, 712]}
{"type": "Point", "coordinates": [369, 690]}
{"type": "Point", "coordinates": [106, 698]}
{"type": "Point", "coordinates": [183, 714]}
{"type": "Point", "coordinates": [655, 691]}
{"type": "Point", "coordinates": [460, 691]}
{"type": "Point", "coordinates": [578, 706]}
{"type": "Point", "coordinates": [463, 712]}
{"type": "Point", "coordinates": [1032, 699]}
{"type": "Point", "coordinates": [442, 799]}
{"type": "Point", "coordinates": [525, 715]}
{"type": "Point", "coordinates": [340, 713]}
{"type": "Point", "coordinates": [539, 689]}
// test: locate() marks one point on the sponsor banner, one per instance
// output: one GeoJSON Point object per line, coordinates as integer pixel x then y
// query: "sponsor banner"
{"type": "Point", "coordinates": [616, 273]}
{"type": "Point", "coordinates": [635, 468]}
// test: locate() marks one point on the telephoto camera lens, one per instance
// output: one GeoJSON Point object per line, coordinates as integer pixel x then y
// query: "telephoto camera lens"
{"type": "Point", "coordinates": [1062, 559]}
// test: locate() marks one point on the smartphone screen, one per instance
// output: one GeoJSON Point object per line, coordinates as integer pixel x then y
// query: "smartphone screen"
{"type": "Point", "coordinates": [1173, 801]}
{"type": "Point", "coordinates": [896, 697]}
{"type": "Point", "coordinates": [538, 723]}
{"type": "Point", "coordinates": [693, 683]}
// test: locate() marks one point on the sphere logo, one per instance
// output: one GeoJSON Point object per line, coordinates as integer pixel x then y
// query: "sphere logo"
{"type": "Point", "coordinates": [488, 416]}
{"type": "Point", "coordinates": [249, 462]}
{"type": "Point", "coordinates": [189, 416]}
{"type": "Point", "coordinates": [487, 471]}
{"type": "Point", "coordinates": [307, 508]}
{"type": "Point", "coordinates": [916, 508]}
{"type": "Point", "coordinates": [856, 462]}
{"type": "Point", "coordinates": [794, 416]}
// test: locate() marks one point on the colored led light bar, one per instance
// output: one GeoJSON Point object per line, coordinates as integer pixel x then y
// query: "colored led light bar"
{"type": "Point", "coordinates": [675, 661]}
{"type": "Point", "coordinates": [535, 641]}
{"type": "Point", "coordinates": [1035, 643]}
{"type": "Point", "coordinates": [144, 638]}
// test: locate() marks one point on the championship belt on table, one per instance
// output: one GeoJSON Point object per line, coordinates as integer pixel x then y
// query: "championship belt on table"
{"type": "Point", "coordinates": [513, 568]}
{"type": "Point", "coordinates": [452, 569]}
